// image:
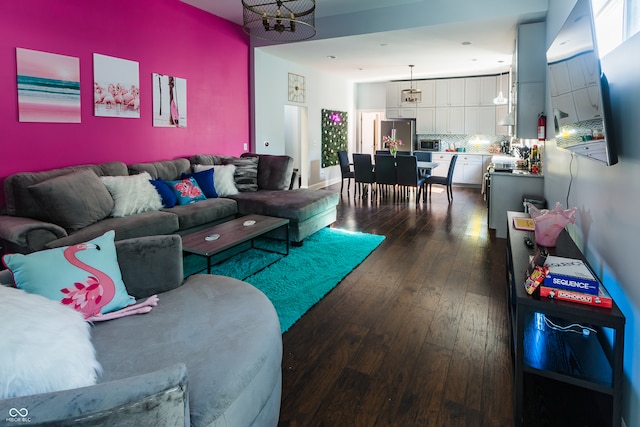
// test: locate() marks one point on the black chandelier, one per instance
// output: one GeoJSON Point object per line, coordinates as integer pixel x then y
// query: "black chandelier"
{"type": "Point", "coordinates": [280, 20]}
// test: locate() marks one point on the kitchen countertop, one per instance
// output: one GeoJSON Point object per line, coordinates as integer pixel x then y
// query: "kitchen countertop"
{"type": "Point", "coordinates": [473, 153]}
{"type": "Point", "coordinates": [516, 172]}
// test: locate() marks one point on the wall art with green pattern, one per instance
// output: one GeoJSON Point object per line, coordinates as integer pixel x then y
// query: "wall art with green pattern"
{"type": "Point", "coordinates": [334, 136]}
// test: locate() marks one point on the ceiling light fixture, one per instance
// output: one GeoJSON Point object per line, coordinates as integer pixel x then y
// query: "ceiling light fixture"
{"type": "Point", "coordinates": [280, 20]}
{"type": "Point", "coordinates": [411, 95]}
{"type": "Point", "coordinates": [500, 99]}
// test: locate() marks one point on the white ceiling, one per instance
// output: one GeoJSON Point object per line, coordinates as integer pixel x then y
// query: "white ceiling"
{"type": "Point", "coordinates": [435, 50]}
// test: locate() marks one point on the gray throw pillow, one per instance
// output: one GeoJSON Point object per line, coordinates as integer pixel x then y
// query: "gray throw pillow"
{"type": "Point", "coordinates": [75, 200]}
{"type": "Point", "coordinates": [275, 172]}
{"type": "Point", "coordinates": [246, 175]}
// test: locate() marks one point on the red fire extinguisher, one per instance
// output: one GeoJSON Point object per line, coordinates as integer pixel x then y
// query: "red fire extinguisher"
{"type": "Point", "coordinates": [542, 126]}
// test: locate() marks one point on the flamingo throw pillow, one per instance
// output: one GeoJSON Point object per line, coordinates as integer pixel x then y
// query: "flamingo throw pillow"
{"type": "Point", "coordinates": [186, 190]}
{"type": "Point", "coordinates": [85, 276]}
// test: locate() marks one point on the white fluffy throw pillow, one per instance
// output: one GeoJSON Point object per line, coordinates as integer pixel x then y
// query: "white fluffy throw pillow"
{"type": "Point", "coordinates": [223, 178]}
{"type": "Point", "coordinates": [132, 194]}
{"type": "Point", "coordinates": [46, 346]}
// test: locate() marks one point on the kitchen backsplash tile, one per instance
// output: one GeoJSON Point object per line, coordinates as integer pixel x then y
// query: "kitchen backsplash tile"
{"type": "Point", "coordinates": [472, 143]}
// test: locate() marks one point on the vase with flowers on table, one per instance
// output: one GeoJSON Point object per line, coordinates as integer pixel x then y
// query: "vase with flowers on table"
{"type": "Point", "coordinates": [392, 143]}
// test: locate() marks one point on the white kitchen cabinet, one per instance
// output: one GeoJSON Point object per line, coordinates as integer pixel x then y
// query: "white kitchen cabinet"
{"type": "Point", "coordinates": [401, 113]}
{"type": "Point", "coordinates": [489, 90]}
{"type": "Point", "coordinates": [480, 91]}
{"type": "Point", "coordinates": [395, 108]}
{"type": "Point", "coordinates": [450, 92]}
{"type": "Point", "coordinates": [468, 169]}
{"type": "Point", "coordinates": [428, 88]}
{"type": "Point", "coordinates": [393, 95]}
{"type": "Point", "coordinates": [488, 120]}
{"type": "Point", "coordinates": [471, 120]}
{"type": "Point", "coordinates": [443, 160]}
{"type": "Point", "coordinates": [480, 120]}
{"type": "Point", "coordinates": [426, 120]}
{"type": "Point", "coordinates": [472, 88]}
{"type": "Point", "coordinates": [450, 120]}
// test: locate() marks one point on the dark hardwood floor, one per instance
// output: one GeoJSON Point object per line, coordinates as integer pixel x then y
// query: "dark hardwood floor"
{"type": "Point", "coordinates": [417, 334]}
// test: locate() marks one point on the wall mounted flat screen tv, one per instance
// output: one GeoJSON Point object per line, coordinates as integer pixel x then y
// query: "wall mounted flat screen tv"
{"type": "Point", "coordinates": [579, 89]}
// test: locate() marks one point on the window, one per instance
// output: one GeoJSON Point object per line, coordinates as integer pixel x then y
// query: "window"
{"type": "Point", "coordinates": [632, 18]}
{"type": "Point", "coordinates": [609, 19]}
{"type": "Point", "coordinates": [616, 21]}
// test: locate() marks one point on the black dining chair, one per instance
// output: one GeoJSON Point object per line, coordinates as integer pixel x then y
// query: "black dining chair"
{"type": "Point", "coordinates": [423, 156]}
{"type": "Point", "coordinates": [345, 170]}
{"type": "Point", "coordinates": [363, 170]}
{"type": "Point", "coordinates": [385, 173]}
{"type": "Point", "coordinates": [444, 180]}
{"type": "Point", "coordinates": [409, 176]}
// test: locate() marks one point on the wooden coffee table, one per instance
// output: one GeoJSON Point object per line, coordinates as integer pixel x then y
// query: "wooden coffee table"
{"type": "Point", "coordinates": [231, 234]}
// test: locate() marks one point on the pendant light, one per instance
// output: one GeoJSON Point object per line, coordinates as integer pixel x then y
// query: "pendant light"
{"type": "Point", "coordinates": [500, 99]}
{"type": "Point", "coordinates": [411, 95]}
{"type": "Point", "coordinates": [279, 20]}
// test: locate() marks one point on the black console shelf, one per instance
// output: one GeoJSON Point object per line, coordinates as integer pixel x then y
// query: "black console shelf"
{"type": "Point", "coordinates": [588, 367]}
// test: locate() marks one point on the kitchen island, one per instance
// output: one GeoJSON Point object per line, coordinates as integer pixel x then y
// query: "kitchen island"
{"type": "Point", "coordinates": [506, 193]}
{"type": "Point", "coordinates": [469, 169]}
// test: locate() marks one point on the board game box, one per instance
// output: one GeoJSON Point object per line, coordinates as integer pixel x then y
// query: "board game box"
{"type": "Point", "coordinates": [603, 299]}
{"type": "Point", "coordinates": [571, 275]}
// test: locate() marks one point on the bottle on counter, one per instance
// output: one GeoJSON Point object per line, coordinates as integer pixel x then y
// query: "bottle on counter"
{"type": "Point", "coordinates": [535, 160]}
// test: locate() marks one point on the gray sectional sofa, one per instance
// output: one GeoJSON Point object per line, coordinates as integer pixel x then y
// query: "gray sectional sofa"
{"type": "Point", "coordinates": [209, 354]}
{"type": "Point", "coordinates": [29, 224]}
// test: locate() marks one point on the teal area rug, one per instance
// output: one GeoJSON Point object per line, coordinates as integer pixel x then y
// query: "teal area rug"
{"type": "Point", "coordinates": [298, 281]}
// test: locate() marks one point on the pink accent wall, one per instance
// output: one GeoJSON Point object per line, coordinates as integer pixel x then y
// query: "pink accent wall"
{"type": "Point", "coordinates": [163, 36]}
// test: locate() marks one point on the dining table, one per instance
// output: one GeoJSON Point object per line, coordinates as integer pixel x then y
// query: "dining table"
{"type": "Point", "coordinates": [427, 167]}
{"type": "Point", "coordinates": [424, 167]}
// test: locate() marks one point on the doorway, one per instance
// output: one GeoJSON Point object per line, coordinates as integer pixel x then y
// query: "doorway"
{"type": "Point", "coordinates": [369, 132]}
{"type": "Point", "coordinates": [296, 140]}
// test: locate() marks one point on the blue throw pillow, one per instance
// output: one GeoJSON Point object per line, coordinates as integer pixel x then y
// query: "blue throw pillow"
{"type": "Point", "coordinates": [169, 199]}
{"type": "Point", "coordinates": [86, 276]}
{"type": "Point", "coordinates": [205, 181]}
{"type": "Point", "coordinates": [186, 190]}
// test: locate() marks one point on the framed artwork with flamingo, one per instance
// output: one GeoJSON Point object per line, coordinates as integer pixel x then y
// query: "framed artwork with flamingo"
{"type": "Point", "coordinates": [169, 101]}
{"type": "Point", "coordinates": [116, 87]}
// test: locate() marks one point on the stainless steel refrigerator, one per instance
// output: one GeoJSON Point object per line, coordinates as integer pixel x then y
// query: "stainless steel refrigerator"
{"type": "Point", "coordinates": [403, 129]}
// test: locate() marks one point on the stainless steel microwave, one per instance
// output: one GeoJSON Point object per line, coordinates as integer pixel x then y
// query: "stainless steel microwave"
{"type": "Point", "coordinates": [429, 145]}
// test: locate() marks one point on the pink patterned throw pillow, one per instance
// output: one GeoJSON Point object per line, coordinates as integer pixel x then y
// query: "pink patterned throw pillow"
{"type": "Point", "coordinates": [186, 190]}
